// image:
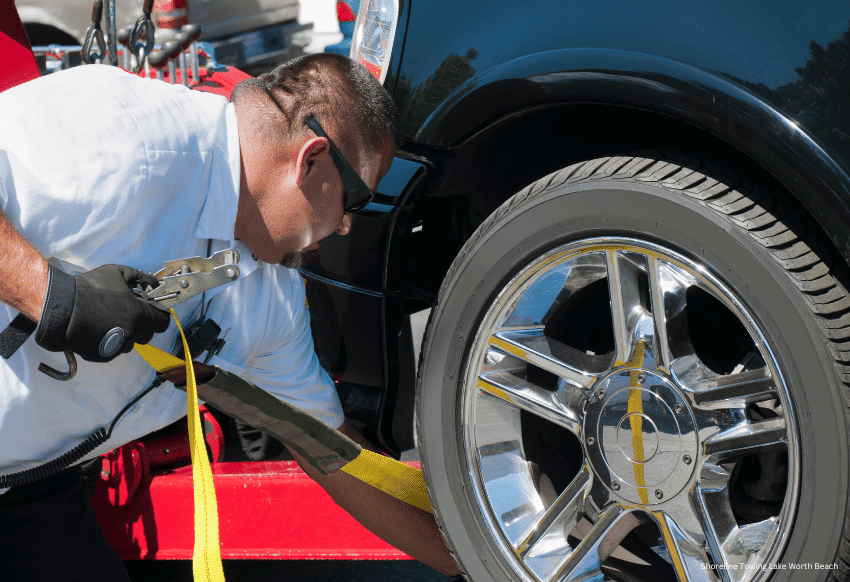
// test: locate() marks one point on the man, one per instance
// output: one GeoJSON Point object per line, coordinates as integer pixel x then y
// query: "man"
{"type": "Point", "coordinates": [99, 167]}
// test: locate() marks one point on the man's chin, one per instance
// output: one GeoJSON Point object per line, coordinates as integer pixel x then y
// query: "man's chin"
{"type": "Point", "coordinates": [294, 260]}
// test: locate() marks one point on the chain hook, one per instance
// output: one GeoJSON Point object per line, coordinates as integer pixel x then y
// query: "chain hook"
{"type": "Point", "coordinates": [143, 29]}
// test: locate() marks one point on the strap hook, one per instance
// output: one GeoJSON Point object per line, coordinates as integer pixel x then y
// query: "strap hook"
{"type": "Point", "coordinates": [56, 374]}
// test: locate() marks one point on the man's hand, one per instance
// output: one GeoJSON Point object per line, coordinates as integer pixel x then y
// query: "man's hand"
{"type": "Point", "coordinates": [96, 315]}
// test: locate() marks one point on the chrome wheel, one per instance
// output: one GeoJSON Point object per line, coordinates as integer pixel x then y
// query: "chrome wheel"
{"type": "Point", "coordinates": [619, 397]}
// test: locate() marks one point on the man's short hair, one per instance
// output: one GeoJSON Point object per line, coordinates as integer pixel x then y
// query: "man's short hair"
{"type": "Point", "coordinates": [348, 101]}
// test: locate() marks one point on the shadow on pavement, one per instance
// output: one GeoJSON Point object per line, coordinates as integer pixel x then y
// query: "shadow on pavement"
{"type": "Point", "coordinates": [290, 571]}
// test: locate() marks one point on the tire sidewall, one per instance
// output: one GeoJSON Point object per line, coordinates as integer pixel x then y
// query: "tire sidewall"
{"type": "Point", "coordinates": [572, 212]}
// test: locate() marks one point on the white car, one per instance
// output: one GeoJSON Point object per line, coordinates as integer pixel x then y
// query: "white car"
{"type": "Point", "coordinates": [244, 34]}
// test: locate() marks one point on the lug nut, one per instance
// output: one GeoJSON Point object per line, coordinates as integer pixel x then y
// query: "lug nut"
{"type": "Point", "coordinates": [680, 407]}
{"type": "Point", "coordinates": [658, 494]}
{"type": "Point", "coordinates": [602, 394]}
{"type": "Point", "coordinates": [591, 441]}
{"type": "Point", "coordinates": [687, 459]}
{"type": "Point", "coordinates": [641, 378]}
{"type": "Point", "coordinates": [615, 485]}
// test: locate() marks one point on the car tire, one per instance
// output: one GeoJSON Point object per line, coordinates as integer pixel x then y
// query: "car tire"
{"type": "Point", "coordinates": [568, 430]}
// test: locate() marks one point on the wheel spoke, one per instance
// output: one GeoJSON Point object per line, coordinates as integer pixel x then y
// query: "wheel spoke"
{"type": "Point", "coordinates": [546, 549]}
{"type": "Point", "coordinates": [533, 347]}
{"type": "Point", "coordinates": [560, 280]}
{"type": "Point", "coordinates": [532, 398]}
{"type": "Point", "coordinates": [687, 555]}
{"type": "Point", "coordinates": [655, 317]}
{"type": "Point", "coordinates": [735, 390]}
{"type": "Point", "coordinates": [747, 438]}
{"type": "Point", "coordinates": [606, 534]}
{"type": "Point", "coordinates": [667, 288]}
{"type": "Point", "coordinates": [626, 307]}
{"type": "Point", "coordinates": [711, 502]}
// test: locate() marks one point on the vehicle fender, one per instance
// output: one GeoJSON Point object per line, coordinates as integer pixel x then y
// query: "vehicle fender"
{"type": "Point", "coordinates": [710, 101]}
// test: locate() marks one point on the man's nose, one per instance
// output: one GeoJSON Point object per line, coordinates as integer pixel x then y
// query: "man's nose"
{"type": "Point", "coordinates": [344, 225]}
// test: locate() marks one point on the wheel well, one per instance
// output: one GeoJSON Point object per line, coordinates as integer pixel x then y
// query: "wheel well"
{"type": "Point", "coordinates": [45, 34]}
{"type": "Point", "coordinates": [497, 162]}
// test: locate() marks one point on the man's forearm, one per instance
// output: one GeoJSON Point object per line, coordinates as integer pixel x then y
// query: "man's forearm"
{"type": "Point", "coordinates": [23, 272]}
{"type": "Point", "coordinates": [405, 527]}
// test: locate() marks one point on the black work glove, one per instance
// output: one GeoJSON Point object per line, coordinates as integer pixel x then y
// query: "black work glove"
{"type": "Point", "coordinates": [96, 315]}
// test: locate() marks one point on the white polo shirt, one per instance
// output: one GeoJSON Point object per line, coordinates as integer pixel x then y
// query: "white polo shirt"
{"type": "Point", "coordinates": [99, 166]}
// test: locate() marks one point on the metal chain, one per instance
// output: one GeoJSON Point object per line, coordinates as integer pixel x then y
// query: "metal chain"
{"type": "Point", "coordinates": [142, 36]}
{"type": "Point", "coordinates": [94, 34]}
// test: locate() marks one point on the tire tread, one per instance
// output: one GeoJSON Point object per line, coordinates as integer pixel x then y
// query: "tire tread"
{"type": "Point", "coordinates": [748, 206]}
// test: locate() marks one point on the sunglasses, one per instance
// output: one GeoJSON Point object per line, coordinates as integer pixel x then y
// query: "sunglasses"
{"type": "Point", "coordinates": [357, 194]}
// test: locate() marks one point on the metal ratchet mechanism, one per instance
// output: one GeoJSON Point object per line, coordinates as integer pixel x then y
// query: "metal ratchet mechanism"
{"type": "Point", "coordinates": [186, 278]}
{"type": "Point", "coordinates": [179, 281]}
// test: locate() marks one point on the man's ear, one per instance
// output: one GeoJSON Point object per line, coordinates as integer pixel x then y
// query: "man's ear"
{"type": "Point", "coordinates": [309, 153]}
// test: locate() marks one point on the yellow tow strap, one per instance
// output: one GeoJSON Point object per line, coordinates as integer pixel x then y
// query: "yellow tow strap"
{"type": "Point", "coordinates": [401, 481]}
{"type": "Point", "coordinates": [206, 556]}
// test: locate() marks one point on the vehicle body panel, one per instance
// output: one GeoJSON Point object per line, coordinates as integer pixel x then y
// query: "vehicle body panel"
{"type": "Point", "coordinates": [225, 17]}
{"type": "Point", "coordinates": [353, 292]}
{"type": "Point", "coordinates": [711, 102]}
{"type": "Point", "coordinates": [757, 43]}
{"type": "Point", "coordinates": [755, 75]}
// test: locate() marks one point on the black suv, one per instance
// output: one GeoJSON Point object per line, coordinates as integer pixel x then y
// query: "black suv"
{"type": "Point", "coordinates": [631, 221]}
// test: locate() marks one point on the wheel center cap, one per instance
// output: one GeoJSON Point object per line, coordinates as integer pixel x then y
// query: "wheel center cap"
{"type": "Point", "coordinates": [640, 436]}
{"type": "Point", "coordinates": [637, 436]}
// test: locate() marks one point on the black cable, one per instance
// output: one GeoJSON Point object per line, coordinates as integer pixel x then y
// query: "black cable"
{"type": "Point", "coordinates": [157, 382]}
{"type": "Point", "coordinates": [67, 459]}
{"type": "Point", "coordinates": [96, 439]}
